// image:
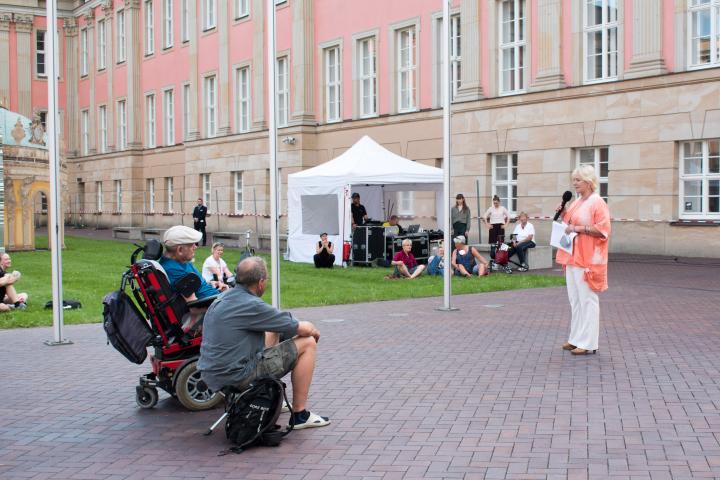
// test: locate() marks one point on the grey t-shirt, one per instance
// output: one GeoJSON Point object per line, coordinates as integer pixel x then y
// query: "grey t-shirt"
{"type": "Point", "coordinates": [234, 336]}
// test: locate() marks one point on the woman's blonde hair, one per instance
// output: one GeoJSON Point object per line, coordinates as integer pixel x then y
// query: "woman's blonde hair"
{"type": "Point", "coordinates": [586, 173]}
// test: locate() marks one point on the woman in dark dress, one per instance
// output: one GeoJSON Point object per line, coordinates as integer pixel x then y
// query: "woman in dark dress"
{"type": "Point", "coordinates": [324, 257]}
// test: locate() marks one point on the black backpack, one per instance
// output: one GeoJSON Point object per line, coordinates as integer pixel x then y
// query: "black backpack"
{"type": "Point", "coordinates": [252, 413]}
{"type": "Point", "coordinates": [125, 326]}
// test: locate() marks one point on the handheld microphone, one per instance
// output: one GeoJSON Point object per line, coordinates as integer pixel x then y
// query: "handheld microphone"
{"type": "Point", "coordinates": [565, 198]}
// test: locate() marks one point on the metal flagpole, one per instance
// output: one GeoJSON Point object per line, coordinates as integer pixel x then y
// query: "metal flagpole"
{"type": "Point", "coordinates": [272, 132]}
{"type": "Point", "coordinates": [54, 161]}
{"type": "Point", "coordinates": [446, 88]}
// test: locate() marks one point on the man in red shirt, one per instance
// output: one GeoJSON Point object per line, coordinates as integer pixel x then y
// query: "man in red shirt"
{"type": "Point", "coordinates": [405, 263]}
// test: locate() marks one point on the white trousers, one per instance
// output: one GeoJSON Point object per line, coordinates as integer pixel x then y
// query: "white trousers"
{"type": "Point", "coordinates": [585, 308]}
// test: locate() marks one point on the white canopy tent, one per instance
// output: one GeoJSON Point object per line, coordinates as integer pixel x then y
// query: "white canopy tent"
{"type": "Point", "coordinates": [319, 197]}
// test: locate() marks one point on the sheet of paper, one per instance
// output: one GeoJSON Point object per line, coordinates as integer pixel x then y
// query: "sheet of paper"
{"type": "Point", "coordinates": [557, 240]}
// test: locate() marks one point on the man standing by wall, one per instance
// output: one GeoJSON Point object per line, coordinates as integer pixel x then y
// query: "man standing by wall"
{"type": "Point", "coordinates": [199, 214]}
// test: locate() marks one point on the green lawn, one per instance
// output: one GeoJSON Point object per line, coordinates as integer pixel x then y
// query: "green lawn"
{"type": "Point", "coordinates": [92, 268]}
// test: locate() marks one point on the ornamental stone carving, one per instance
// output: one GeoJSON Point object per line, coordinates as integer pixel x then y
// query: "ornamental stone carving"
{"type": "Point", "coordinates": [70, 27]}
{"type": "Point", "coordinates": [89, 18]}
{"type": "Point", "coordinates": [23, 23]}
{"type": "Point", "coordinates": [132, 3]}
{"type": "Point", "coordinates": [107, 8]}
{"type": "Point", "coordinates": [5, 19]}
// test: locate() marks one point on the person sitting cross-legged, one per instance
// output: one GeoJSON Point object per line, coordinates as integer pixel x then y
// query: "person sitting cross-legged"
{"type": "Point", "coordinates": [466, 260]}
{"type": "Point", "coordinates": [324, 257]}
{"type": "Point", "coordinates": [405, 264]}
{"type": "Point", "coordinates": [10, 299]}
{"type": "Point", "coordinates": [240, 342]}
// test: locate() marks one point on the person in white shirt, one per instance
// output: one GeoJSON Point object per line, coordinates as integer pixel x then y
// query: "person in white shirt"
{"type": "Point", "coordinates": [522, 239]}
{"type": "Point", "coordinates": [215, 270]}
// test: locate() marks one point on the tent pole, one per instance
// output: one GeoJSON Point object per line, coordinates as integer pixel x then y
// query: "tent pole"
{"type": "Point", "coordinates": [54, 161]}
{"type": "Point", "coordinates": [272, 132]}
{"type": "Point", "coordinates": [446, 88]}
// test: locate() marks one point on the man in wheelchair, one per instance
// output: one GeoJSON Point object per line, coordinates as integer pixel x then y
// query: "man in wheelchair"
{"type": "Point", "coordinates": [180, 245]}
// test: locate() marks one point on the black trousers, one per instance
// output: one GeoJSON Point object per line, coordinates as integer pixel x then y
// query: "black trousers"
{"type": "Point", "coordinates": [200, 227]}
{"type": "Point", "coordinates": [459, 228]}
{"type": "Point", "coordinates": [497, 234]}
{"type": "Point", "coordinates": [324, 260]}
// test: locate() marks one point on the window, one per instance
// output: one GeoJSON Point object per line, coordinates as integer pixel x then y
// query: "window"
{"type": "Point", "coordinates": [102, 120]}
{"type": "Point", "coordinates": [504, 179]}
{"type": "Point", "coordinates": [405, 203]}
{"type": "Point", "coordinates": [118, 195]}
{"type": "Point", "coordinates": [332, 84]}
{"type": "Point", "coordinates": [169, 117]}
{"type": "Point", "coordinates": [598, 159]}
{"type": "Point", "coordinates": [151, 195]}
{"type": "Point", "coordinates": [83, 52]}
{"type": "Point", "coordinates": [704, 30]}
{"type": "Point", "coordinates": [455, 54]}
{"type": "Point", "coordinates": [167, 23]}
{"type": "Point", "coordinates": [185, 20]}
{"type": "Point", "coordinates": [513, 47]}
{"type": "Point", "coordinates": [210, 108]}
{"type": "Point", "coordinates": [205, 185]}
{"type": "Point", "coordinates": [186, 110]}
{"type": "Point", "coordinates": [98, 197]}
{"type": "Point", "coordinates": [42, 114]}
{"type": "Point", "coordinates": [121, 125]}
{"type": "Point", "coordinates": [407, 61]}
{"type": "Point", "coordinates": [120, 36]}
{"type": "Point", "coordinates": [241, 9]}
{"type": "Point", "coordinates": [283, 92]}
{"type": "Point", "coordinates": [600, 39]}
{"type": "Point", "coordinates": [209, 20]}
{"type": "Point", "coordinates": [242, 99]}
{"type": "Point", "coordinates": [700, 179]}
{"type": "Point", "coordinates": [150, 121]}
{"type": "Point", "coordinates": [170, 193]}
{"type": "Point", "coordinates": [367, 67]}
{"type": "Point", "coordinates": [101, 43]}
{"type": "Point", "coordinates": [85, 125]}
{"type": "Point", "coordinates": [238, 182]}
{"type": "Point", "coordinates": [149, 28]}
{"type": "Point", "coordinates": [40, 53]}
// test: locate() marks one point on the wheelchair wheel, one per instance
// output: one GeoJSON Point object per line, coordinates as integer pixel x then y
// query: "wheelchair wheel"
{"type": "Point", "coordinates": [192, 392]}
{"type": "Point", "coordinates": [146, 397]}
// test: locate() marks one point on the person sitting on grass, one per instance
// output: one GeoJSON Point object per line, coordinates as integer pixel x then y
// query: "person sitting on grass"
{"type": "Point", "coordinates": [180, 245]}
{"type": "Point", "coordinates": [405, 264]}
{"type": "Point", "coordinates": [436, 263]}
{"type": "Point", "coordinates": [214, 270]}
{"type": "Point", "coordinates": [10, 299]}
{"type": "Point", "coordinates": [466, 260]}
{"type": "Point", "coordinates": [324, 257]}
{"type": "Point", "coordinates": [241, 342]}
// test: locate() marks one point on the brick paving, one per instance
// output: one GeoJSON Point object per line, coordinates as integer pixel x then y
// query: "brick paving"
{"type": "Point", "coordinates": [484, 392]}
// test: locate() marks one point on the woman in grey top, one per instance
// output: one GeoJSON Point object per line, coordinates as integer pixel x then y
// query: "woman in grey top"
{"type": "Point", "coordinates": [460, 216]}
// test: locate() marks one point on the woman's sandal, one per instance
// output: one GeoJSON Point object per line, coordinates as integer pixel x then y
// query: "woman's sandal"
{"type": "Point", "coordinates": [568, 346]}
{"type": "Point", "coordinates": [582, 351]}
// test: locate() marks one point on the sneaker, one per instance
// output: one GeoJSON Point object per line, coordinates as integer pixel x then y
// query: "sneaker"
{"type": "Point", "coordinates": [21, 306]}
{"type": "Point", "coordinates": [285, 407]}
{"type": "Point", "coordinates": [522, 269]}
{"type": "Point", "coordinates": [508, 269]}
{"type": "Point", "coordinates": [306, 419]}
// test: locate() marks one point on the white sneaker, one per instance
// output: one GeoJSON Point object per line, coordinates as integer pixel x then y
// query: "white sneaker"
{"type": "Point", "coordinates": [285, 407]}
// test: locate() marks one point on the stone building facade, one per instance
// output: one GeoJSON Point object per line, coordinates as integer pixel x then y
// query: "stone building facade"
{"type": "Point", "coordinates": [164, 101]}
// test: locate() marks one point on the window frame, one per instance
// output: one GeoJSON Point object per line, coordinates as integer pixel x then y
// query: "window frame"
{"type": "Point", "coordinates": [84, 53]}
{"type": "Point", "coordinates": [169, 117]}
{"type": "Point", "coordinates": [518, 44]}
{"type": "Point", "coordinates": [333, 84]}
{"type": "Point", "coordinates": [210, 105]}
{"type": "Point", "coordinates": [363, 76]}
{"type": "Point", "coordinates": [238, 203]}
{"type": "Point", "coordinates": [239, 11]}
{"type": "Point", "coordinates": [151, 195]}
{"type": "Point", "coordinates": [604, 27]}
{"type": "Point", "coordinates": [168, 34]}
{"type": "Point", "coordinates": [102, 129]}
{"type": "Point", "coordinates": [186, 110]}
{"type": "Point", "coordinates": [169, 193]}
{"type": "Point", "coordinates": [705, 177]}
{"type": "Point", "coordinates": [150, 125]}
{"type": "Point", "coordinates": [118, 195]}
{"type": "Point", "coordinates": [410, 70]}
{"type": "Point", "coordinates": [184, 21]}
{"type": "Point", "coordinates": [243, 99]}
{"type": "Point", "coordinates": [99, 196]}
{"type": "Point", "coordinates": [121, 124]}
{"type": "Point", "coordinates": [206, 189]}
{"type": "Point", "coordinates": [102, 44]}
{"type": "Point", "coordinates": [597, 161]}
{"type": "Point", "coordinates": [714, 8]}
{"type": "Point", "coordinates": [121, 46]}
{"type": "Point", "coordinates": [85, 131]}
{"type": "Point", "coordinates": [512, 167]}
{"type": "Point", "coordinates": [282, 97]}
{"type": "Point", "coordinates": [40, 53]}
{"type": "Point", "coordinates": [405, 202]}
{"type": "Point", "coordinates": [149, 39]}
{"type": "Point", "coordinates": [209, 17]}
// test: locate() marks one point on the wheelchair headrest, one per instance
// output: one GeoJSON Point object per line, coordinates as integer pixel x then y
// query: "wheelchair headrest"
{"type": "Point", "coordinates": [153, 250]}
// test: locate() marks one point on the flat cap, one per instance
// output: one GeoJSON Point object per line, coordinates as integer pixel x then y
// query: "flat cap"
{"type": "Point", "coordinates": [181, 235]}
{"type": "Point", "coordinates": [459, 239]}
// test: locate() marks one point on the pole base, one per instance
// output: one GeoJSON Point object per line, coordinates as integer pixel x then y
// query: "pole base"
{"type": "Point", "coordinates": [450, 309]}
{"type": "Point", "coordinates": [53, 343]}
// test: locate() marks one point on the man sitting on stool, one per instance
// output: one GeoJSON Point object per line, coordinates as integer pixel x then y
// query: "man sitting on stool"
{"type": "Point", "coordinates": [241, 342]}
{"type": "Point", "coordinates": [324, 257]}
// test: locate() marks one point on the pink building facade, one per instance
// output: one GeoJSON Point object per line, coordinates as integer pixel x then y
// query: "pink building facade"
{"type": "Point", "coordinates": [165, 101]}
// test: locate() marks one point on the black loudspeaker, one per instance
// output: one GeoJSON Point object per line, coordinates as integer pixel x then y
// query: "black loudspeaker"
{"type": "Point", "coordinates": [420, 246]}
{"type": "Point", "coordinates": [368, 244]}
